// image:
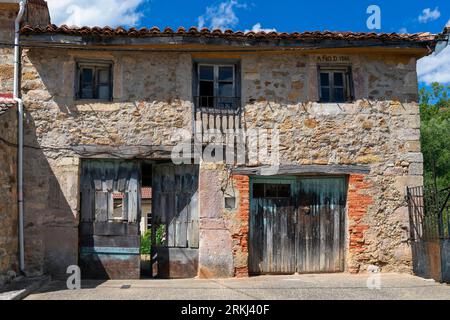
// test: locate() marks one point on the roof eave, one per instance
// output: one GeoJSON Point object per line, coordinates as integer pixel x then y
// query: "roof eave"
{"type": "Point", "coordinates": [186, 42]}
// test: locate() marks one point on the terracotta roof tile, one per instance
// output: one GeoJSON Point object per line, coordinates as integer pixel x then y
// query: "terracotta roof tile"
{"type": "Point", "coordinates": [204, 32]}
{"type": "Point", "coordinates": [146, 193]}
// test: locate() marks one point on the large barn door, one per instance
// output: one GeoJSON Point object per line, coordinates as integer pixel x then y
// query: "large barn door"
{"type": "Point", "coordinates": [110, 214]}
{"type": "Point", "coordinates": [175, 214]}
{"type": "Point", "coordinates": [320, 228]}
{"type": "Point", "coordinates": [272, 227]}
{"type": "Point", "coordinates": [297, 225]}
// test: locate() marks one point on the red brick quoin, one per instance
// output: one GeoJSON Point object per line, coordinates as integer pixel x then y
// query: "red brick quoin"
{"type": "Point", "coordinates": [242, 184]}
{"type": "Point", "coordinates": [358, 200]}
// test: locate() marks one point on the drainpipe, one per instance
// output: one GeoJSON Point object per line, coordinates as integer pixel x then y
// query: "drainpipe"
{"type": "Point", "coordinates": [19, 101]}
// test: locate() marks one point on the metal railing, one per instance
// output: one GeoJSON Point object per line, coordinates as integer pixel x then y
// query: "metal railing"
{"type": "Point", "coordinates": [217, 113]}
{"type": "Point", "coordinates": [429, 214]}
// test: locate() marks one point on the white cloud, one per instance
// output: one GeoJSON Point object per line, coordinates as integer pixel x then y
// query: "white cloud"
{"type": "Point", "coordinates": [448, 23]}
{"type": "Point", "coordinates": [429, 15]}
{"type": "Point", "coordinates": [257, 28]}
{"type": "Point", "coordinates": [95, 12]}
{"type": "Point", "coordinates": [221, 16]}
{"type": "Point", "coordinates": [435, 68]}
{"type": "Point", "coordinates": [403, 30]}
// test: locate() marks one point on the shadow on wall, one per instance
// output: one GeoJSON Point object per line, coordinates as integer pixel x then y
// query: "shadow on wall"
{"type": "Point", "coordinates": [51, 226]}
{"type": "Point", "coordinates": [55, 124]}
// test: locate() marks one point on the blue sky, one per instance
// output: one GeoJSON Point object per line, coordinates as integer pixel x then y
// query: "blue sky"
{"type": "Point", "coordinates": [282, 15]}
{"type": "Point", "coordinates": [300, 15]}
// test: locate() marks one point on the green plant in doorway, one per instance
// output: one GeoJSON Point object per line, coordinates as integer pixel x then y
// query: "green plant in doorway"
{"type": "Point", "coordinates": [146, 239]}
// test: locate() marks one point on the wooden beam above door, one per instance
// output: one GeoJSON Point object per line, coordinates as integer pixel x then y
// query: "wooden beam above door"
{"type": "Point", "coordinates": [305, 169]}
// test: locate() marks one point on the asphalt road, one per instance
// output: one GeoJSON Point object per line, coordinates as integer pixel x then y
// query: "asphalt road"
{"type": "Point", "coordinates": [311, 286]}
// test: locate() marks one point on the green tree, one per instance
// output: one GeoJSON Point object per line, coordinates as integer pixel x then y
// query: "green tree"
{"type": "Point", "coordinates": [435, 136]}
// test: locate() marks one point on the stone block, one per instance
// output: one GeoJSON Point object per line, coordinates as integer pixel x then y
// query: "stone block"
{"type": "Point", "coordinates": [215, 254]}
{"type": "Point", "coordinates": [210, 194]}
{"type": "Point", "coordinates": [414, 157]}
{"type": "Point", "coordinates": [412, 146]}
{"type": "Point", "coordinates": [415, 169]}
{"type": "Point", "coordinates": [408, 134]}
{"type": "Point", "coordinates": [407, 181]}
{"type": "Point", "coordinates": [413, 121]}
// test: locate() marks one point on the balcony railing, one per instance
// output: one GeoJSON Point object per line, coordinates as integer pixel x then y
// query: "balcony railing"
{"type": "Point", "coordinates": [217, 113]}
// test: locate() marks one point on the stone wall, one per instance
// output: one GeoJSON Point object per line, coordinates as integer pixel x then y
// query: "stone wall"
{"type": "Point", "coordinates": [9, 264]}
{"type": "Point", "coordinates": [153, 97]}
{"type": "Point", "coordinates": [8, 168]}
{"type": "Point", "coordinates": [7, 17]}
{"type": "Point", "coordinates": [380, 129]}
{"type": "Point", "coordinates": [6, 71]}
{"type": "Point", "coordinates": [36, 14]}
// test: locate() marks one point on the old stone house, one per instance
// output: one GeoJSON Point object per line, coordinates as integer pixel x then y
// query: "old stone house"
{"type": "Point", "coordinates": [105, 112]}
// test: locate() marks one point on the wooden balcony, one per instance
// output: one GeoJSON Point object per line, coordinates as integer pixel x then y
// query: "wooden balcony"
{"type": "Point", "coordinates": [220, 114]}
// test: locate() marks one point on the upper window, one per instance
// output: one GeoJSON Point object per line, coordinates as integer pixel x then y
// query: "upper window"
{"type": "Point", "coordinates": [335, 84]}
{"type": "Point", "coordinates": [269, 190]}
{"type": "Point", "coordinates": [217, 87]}
{"type": "Point", "coordinates": [94, 81]}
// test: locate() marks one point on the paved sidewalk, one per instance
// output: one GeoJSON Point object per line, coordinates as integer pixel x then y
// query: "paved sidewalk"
{"type": "Point", "coordinates": [311, 286]}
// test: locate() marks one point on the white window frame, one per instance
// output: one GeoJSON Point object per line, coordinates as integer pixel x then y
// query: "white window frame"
{"type": "Point", "coordinates": [216, 78]}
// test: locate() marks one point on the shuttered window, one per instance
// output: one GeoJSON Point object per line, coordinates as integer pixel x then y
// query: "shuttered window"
{"type": "Point", "coordinates": [110, 191]}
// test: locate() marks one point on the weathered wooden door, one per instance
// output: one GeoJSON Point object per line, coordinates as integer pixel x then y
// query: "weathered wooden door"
{"type": "Point", "coordinates": [320, 237]}
{"type": "Point", "coordinates": [272, 227]}
{"type": "Point", "coordinates": [297, 225]}
{"type": "Point", "coordinates": [110, 214]}
{"type": "Point", "coordinates": [175, 209]}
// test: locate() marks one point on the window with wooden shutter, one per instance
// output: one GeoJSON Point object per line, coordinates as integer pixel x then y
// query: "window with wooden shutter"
{"type": "Point", "coordinates": [110, 191]}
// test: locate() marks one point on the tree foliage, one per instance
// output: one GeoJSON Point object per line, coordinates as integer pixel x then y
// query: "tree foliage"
{"type": "Point", "coordinates": [435, 136]}
{"type": "Point", "coordinates": [146, 239]}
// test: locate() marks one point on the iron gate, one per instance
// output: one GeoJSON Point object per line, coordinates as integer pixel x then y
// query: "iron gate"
{"type": "Point", "coordinates": [429, 215]}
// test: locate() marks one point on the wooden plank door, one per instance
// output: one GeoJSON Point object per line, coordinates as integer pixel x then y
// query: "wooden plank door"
{"type": "Point", "coordinates": [110, 214]}
{"type": "Point", "coordinates": [175, 207]}
{"type": "Point", "coordinates": [297, 224]}
{"type": "Point", "coordinates": [272, 228]}
{"type": "Point", "coordinates": [320, 229]}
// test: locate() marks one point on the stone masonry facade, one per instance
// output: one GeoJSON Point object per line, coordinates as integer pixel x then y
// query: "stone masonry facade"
{"type": "Point", "coordinates": [8, 195]}
{"type": "Point", "coordinates": [36, 13]}
{"type": "Point", "coordinates": [152, 98]}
